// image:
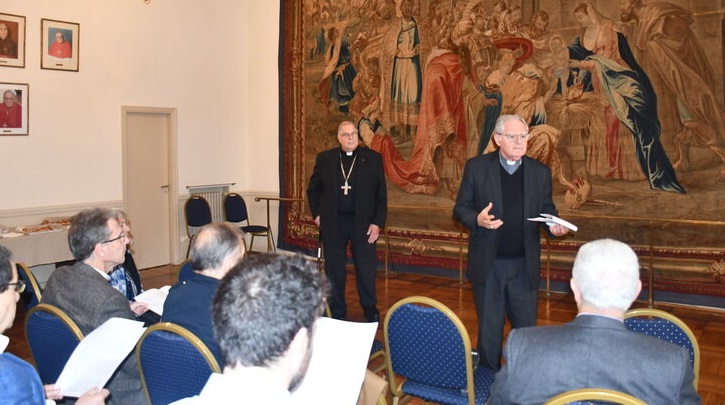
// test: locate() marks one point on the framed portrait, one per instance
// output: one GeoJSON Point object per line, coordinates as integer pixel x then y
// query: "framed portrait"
{"type": "Point", "coordinates": [12, 40]}
{"type": "Point", "coordinates": [14, 109]}
{"type": "Point", "coordinates": [59, 45]}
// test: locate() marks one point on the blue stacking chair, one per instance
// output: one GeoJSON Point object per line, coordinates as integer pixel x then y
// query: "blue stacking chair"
{"type": "Point", "coordinates": [665, 326]}
{"type": "Point", "coordinates": [173, 363]}
{"type": "Point", "coordinates": [52, 337]}
{"type": "Point", "coordinates": [428, 345]}
{"type": "Point", "coordinates": [197, 213]}
{"type": "Point", "coordinates": [235, 210]}
{"type": "Point", "coordinates": [33, 293]}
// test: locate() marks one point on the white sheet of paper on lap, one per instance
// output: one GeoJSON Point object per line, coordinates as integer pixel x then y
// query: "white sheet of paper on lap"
{"type": "Point", "coordinates": [340, 356]}
{"type": "Point", "coordinates": [155, 298]}
{"type": "Point", "coordinates": [98, 356]}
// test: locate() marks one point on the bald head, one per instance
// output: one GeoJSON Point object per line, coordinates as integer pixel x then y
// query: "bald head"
{"type": "Point", "coordinates": [216, 248]}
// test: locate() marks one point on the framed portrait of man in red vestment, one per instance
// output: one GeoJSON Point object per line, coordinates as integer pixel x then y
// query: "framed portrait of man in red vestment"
{"type": "Point", "coordinates": [14, 109]}
{"type": "Point", "coordinates": [59, 45]}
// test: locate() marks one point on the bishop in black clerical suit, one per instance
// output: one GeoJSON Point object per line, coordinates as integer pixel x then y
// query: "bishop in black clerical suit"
{"type": "Point", "coordinates": [348, 200]}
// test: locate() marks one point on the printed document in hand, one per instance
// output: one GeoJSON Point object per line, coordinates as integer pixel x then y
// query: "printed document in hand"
{"type": "Point", "coordinates": [340, 353]}
{"type": "Point", "coordinates": [155, 298]}
{"type": "Point", "coordinates": [98, 355]}
{"type": "Point", "coordinates": [553, 219]}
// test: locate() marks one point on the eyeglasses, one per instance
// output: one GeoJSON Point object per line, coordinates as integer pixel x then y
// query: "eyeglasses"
{"type": "Point", "coordinates": [513, 137]}
{"type": "Point", "coordinates": [19, 286]}
{"type": "Point", "coordinates": [121, 236]}
{"type": "Point", "coordinates": [348, 135]}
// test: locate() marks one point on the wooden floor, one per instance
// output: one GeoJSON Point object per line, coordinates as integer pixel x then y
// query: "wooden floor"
{"type": "Point", "coordinates": [707, 324]}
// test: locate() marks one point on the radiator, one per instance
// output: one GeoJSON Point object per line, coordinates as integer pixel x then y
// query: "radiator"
{"type": "Point", "coordinates": [214, 195]}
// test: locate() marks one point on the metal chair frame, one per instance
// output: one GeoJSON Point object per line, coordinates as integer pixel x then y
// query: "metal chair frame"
{"type": "Point", "coordinates": [596, 394]}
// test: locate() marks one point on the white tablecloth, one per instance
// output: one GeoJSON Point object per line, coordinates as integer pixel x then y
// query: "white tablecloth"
{"type": "Point", "coordinates": [40, 248]}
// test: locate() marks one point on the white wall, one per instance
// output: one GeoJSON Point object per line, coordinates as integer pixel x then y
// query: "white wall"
{"type": "Point", "coordinates": [215, 61]}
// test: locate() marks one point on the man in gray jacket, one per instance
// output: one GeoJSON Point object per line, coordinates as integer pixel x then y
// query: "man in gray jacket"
{"type": "Point", "coordinates": [83, 290]}
{"type": "Point", "coordinates": [595, 350]}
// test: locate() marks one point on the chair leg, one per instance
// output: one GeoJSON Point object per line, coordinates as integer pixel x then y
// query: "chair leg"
{"type": "Point", "coordinates": [251, 243]}
{"type": "Point", "coordinates": [270, 242]}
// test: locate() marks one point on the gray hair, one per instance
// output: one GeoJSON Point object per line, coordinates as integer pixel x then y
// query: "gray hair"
{"type": "Point", "coordinates": [503, 119]}
{"type": "Point", "coordinates": [606, 272]}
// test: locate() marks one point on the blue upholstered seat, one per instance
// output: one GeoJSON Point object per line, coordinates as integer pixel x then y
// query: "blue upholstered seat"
{"type": "Point", "coordinates": [668, 327]}
{"type": "Point", "coordinates": [173, 363]}
{"type": "Point", "coordinates": [429, 346]}
{"type": "Point", "coordinates": [52, 336]}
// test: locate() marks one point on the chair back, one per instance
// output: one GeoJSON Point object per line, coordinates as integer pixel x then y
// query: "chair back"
{"type": "Point", "coordinates": [173, 363]}
{"type": "Point", "coordinates": [33, 292]}
{"type": "Point", "coordinates": [52, 337]}
{"type": "Point", "coordinates": [665, 326]}
{"type": "Point", "coordinates": [197, 211]}
{"type": "Point", "coordinates": [185, 271]}
{"type": "Point", "coordinates": [235, 209]}
{"type": "Point", "coordinates": [586, 395]}
{"type": "Point", "coordinates": [429, 346]}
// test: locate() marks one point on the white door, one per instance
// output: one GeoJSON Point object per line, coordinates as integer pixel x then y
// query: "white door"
{"type": "Point", "coordinates": [150, 183]}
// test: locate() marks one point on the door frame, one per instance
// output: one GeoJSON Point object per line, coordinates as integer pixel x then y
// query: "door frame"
{"type": "Point", "coordinates": [170, 114]}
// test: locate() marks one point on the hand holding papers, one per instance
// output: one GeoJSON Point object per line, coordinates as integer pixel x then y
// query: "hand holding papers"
{"type": "Point", "coordinates": [155, 298]}
{"type": "Point", "coordinates": [340, 353]}
{"type": "Point", "coordinates": [98, 356]}
{"type": "Point", "coordinates": [553, 219]}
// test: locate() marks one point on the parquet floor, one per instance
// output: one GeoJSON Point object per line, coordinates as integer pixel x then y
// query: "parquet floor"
{"type": "Point", "coordinates": [707, 324]}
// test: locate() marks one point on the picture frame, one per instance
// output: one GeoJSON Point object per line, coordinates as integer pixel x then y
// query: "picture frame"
{"type": "Point", "coordinates": [12, 40]}
{"type": "Point", "coordinates": [14, 109]}
{"type": "Point", "coordinates": [59, 45]}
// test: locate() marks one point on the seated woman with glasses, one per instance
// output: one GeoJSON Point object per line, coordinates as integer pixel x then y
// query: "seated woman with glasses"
{"type": "Point", "coordinates": [19, 382]}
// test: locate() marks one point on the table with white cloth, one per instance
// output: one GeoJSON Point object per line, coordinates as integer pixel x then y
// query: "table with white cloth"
{"type": "Point", "coordinates": [39, 248]}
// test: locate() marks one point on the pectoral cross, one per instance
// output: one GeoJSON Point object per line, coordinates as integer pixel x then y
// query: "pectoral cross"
{"type": "Point", "coordinates": [345, 188]}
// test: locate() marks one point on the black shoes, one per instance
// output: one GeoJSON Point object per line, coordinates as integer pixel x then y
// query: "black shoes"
{"type": "Point", "coordinates": [372, 314]}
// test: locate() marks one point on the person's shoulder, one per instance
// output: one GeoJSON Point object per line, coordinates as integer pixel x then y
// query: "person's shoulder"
{"type": "Point", "coordinates": [369, 153]}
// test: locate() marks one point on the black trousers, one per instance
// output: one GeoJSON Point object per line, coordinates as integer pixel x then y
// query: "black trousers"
{"type": "Point", "coordinates": [364, 260]}
{"type": "Point", "coordinates": [506, 292]}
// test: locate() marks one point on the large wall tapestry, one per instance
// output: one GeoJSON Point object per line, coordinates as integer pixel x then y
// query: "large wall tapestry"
{"type": "Point", "coordinates": [624, 100]}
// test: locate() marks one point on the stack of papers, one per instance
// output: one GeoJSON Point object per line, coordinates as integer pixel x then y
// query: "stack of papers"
{"type": "Point", "coordinates": [554, 220]}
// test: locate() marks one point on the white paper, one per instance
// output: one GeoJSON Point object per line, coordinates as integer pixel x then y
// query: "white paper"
{"type": "Point", "coordinates": [553, 219]}
{"type": "Point", "coordinates": [155, 298]}
{"type": "Point", "coordinates": [98, 355]}
{"type": "Point", "coordinates": [340, 356]}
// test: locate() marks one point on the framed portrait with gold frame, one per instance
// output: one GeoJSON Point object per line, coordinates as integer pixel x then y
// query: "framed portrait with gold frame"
{"type": "Point", "coordinates": [12, 40]}
{"type": "Point", "coordinates": [59, 45]}
{"type": "Point", "coordinates": [14, 109]}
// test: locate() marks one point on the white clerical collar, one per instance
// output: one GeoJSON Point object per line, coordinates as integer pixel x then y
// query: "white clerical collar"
{"type": "Point", "coordinates": [509, 165]}
{"type": "Point", "coordinates": [348, 153]}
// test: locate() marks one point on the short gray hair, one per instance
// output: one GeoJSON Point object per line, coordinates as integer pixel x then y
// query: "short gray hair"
{"type": "Point", "coordinates": [606, 272]}
{"type": "Point", "coordinates": [503, 119]}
